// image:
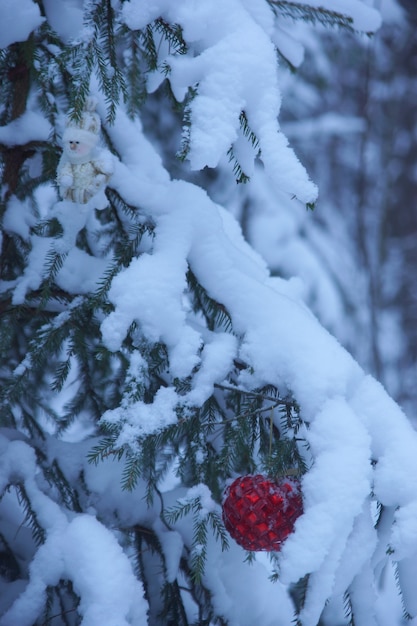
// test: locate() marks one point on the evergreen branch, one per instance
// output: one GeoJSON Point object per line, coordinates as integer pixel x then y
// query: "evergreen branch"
{"type": "Point", "coordinates": [7, 419]}
{"type": "Point", "coordinates": [201, 519]}
{"type": "Point", "coordinates": [50, 597]}
{"type": "Point", "coordinates": [64, 591]}
{"type": "Point", "coordinates": [48, 411]}
{"type": "Point", "coordinates": [202, 599]}
{"type": "Point", "coordinates": [238, 444]}
{"type": "Point", "coordinates": [150, 51]}
{"type": "Point", "coordinates": [120, 206]}
{"type": "Point", "coordinates": [84, 337]}
{"type": "Point", "coordinates": [48, 228]}
{"type": "Point", "coordinates": [98, 54]}
{"type": "Point", "coordinates": [139, 565]}
{"type": "Point", "coordinates": [61, 374]}
{"type": "Point", "coordinates": [9, 566]}
{"type": "Point", "coordinates": [28, 184]}
{"type": "Point", "coordinates": [62, 614]}
{"type": "Point", "coordinates": [186, 125]}
{"type": "Point", "coordinates": [68, 493]}
{"type": "Point", "coordinates": [110, 80]}
{"type": "Point", "coordinates": [298, 593]}
{"type": "Point", "coordinates": [347, 606]}
{"type": "Point", "coordinates": [173, 34]}
{"type": "Point", "coordinates": [240, 175]}
{"type": "Point", "coordinates": [283, 60]}
{"type": "Point", "coordinates": [47, 341]}
{"type": "Point", "coordinates": [133, 231]}
{"type": "Point", "coordinates": [212, 414]}
{"type": "Point", "coordinates": [31, 519]}
{"type": "Point", "coordinates": [238, 172]}
{"type": "Point", "coordinates": [314, 15]}
{"type": "Point", "coordinates": [180, 510]}
{"type": "Point", "coordinates": [406, 615]}
{"type": "Point", "coordinates": [53, 264]}
{"type": "Point", "coordinates": [247, 131]}
{"type": "Point", "coordinates": [131, 473]}
{"type": "Point", "coordinates": [97, 299]}
{"type": "Point", "coordinates": [218, 529]}
{"type": "Point", "coordinates": [283, 458]}
{"type": "Point", "coordinates": [13, 255]}
{"type": "Point", "coordinates": [84, 399]}
{"type": "Point", "coordinates": [104, 449]}
{"type": "Point", "coordinates": [136, 92]}
{"type": "Point", "coordinates": [30, 423]}
{"type": "Point", "coordinates": [79, 61]}
{"type": "Point", "coordinates": [255, 394]}
{"type": "Point", "coordinates": [249, 414]}
{"type": "Point", "coordinates": [199, 549]}
{"type": "Point", "coordinates": [147, 468]}
{"type": "Point", "coordinates": [215, 313]}
{"type": "Point", "coordinates": [46, 69]}
{"type": "Point", "coordinates": [173, 611]}
{"type": "Point", "coordinates": [158, 360]}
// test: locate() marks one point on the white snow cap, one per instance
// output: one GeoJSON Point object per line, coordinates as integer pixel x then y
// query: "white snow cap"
{"type": "Point", "coordinates": [12, 29]}
{"type": "Point", "coordinates": [88, 128]}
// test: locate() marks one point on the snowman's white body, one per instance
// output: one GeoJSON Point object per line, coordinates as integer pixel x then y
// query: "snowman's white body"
{"type": "Point", "coordinates": [82, 172]}
{"type": "Point", "coordinates": [83, 169]}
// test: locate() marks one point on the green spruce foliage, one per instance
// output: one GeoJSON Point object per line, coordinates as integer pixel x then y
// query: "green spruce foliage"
{"type": "Point", "coordinates": [56, 371]}
{"type": "Point", "coordinates": [53, 337]}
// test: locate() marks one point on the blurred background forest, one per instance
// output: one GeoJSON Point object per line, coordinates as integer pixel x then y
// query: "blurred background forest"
{"type": "Point", "coordinates": [363, 242]}
{"type": "Point", "coordinates": [353, 98]}
{"type": "Point", "coordinates": [365, 164]}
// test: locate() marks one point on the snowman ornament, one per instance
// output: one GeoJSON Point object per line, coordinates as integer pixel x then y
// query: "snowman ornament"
{"type": "Point", "coordinates": [84, 168]}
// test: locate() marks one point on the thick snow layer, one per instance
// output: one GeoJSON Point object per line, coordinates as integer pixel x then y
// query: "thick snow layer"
{"type": "Point", "coordinates": [30, 126]}
{"type": "Point", "coordinates": [235, 70]}
{"type": "Point", "coordinates": [363, 449]}
{"type": "Point", "coordinates": [18, 26]}
{"type": "Point", "coordinates": [65, 17]}
{"type": "Point", "coordinates": [78, 548]}
{"type": "Point", "coordinates": [360, 440]}
{"type": "Point", "coordinates": [18, 218]}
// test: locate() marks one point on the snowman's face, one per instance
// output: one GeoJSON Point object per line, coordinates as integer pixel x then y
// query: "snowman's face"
{"type": "Point", "coordinates": [77, 148]}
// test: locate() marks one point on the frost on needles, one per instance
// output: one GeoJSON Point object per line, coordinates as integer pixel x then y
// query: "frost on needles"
{"type": "Point", "coordinates": [148, 357]}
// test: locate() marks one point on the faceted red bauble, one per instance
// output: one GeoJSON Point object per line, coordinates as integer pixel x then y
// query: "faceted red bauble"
{"type": "Point", "coordinates": [259, 513]}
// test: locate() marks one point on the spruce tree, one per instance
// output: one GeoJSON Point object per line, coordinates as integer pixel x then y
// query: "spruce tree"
{"type": "Point", "coordinates": [148, 358]}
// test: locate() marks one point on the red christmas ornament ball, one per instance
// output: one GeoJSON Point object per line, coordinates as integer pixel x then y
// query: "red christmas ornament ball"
{"type": "Point", "coordinates": [259, 513]}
